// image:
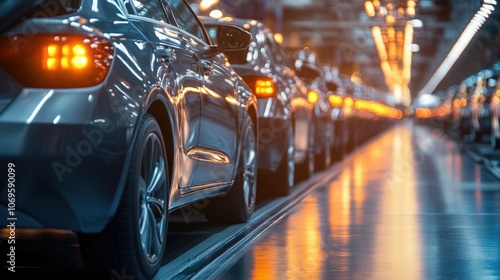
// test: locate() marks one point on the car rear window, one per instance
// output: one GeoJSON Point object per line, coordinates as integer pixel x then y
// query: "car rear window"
{"type": "Point", "coordinates": [53, 8]}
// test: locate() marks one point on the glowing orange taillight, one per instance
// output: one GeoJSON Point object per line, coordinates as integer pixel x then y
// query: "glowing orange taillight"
{"type": "Point", "coordinates": [65, 57]}
{"type": "Point", "coordinates": [262, 87]}
{"type": "Point", "coordinates": [56, 61]}
{"type": "Point", "coordinates": [495, 100]}
{"type": "Point", "coordinates": [442, 111]}
{"type": "Point", "coordinates": [348, 102]}
{"type": "Point", "coordinates": [312, 96]}
{"type": "Point", "coordinates": [423, 113]}
{"type": "Point", "coordinates": [335, 100]}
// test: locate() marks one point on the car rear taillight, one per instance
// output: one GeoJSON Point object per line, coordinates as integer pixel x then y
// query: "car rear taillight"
{"type": "Point", "coordinates": [495, 100]}
{"type": "Point", "coordinates": [261, 86]}
{"type": "Point", "coordinates": [56, 61]}
{"type": "Point", "coordinates": [348, 102]}
{"type": "Point", "coordinates": [335, 100]}
{"type": "Point", "coordinates": [312, 96]}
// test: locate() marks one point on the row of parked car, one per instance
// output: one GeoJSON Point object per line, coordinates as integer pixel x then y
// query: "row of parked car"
{"type": "Point", "coordinates": [114, 113]}
{"type": "Point", "coordinates": [471, 108]}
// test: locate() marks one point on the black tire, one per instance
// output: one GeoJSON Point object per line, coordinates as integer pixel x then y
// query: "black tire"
{"type": "Point", "coordinates": [330, 147]}
{"type": "Point", "coordinates": [495, 142]}
{"type": "Point", "coordinates": [341, 138]}
{"type": "Point", "coordinates": [463, 129]}
{"type": "Point", "coordinates": [461, 133]}
{"type": "Point", "coordinates": [477, 135]}
{"type": "Point", "coordinates": [322, 160]}
{"type": "Point", "coordinates": [282, 180]}
{"type": "Point", "coordinates": [319, 161]}
{"type": "Point", "coordinates": [238, 205]}
{"type": "Point", "coordinates": [353, 135]}
{"type": "Point", "coordinates": [304, 169]}
{"type": "Point", "coordinates": [134, 241]}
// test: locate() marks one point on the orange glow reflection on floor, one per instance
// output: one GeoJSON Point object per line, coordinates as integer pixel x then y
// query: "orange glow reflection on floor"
{"type": "Point", "coordinates": [266, 261]}
{"type": "Point", "coordinates": [340, 219]}
{"type": "Point", "coordinates": [303, 246]}
{"type": "Point", "coordinates": [299, 253]}
{"type": "Point", "coordinates": [398, 217]}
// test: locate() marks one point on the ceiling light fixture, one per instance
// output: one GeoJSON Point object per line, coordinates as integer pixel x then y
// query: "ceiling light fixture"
{"type": "Point", "coordinates": [474, 25]}
{"type": "Point", "coordinates": [207, 4]}
{"type": "Point", "coordinates": [415, 48]}
{"type": "Point", "coordinates": [417, 23]}
{"type": "Point", "coordinates": [216, 14]}
{"type": "Point", "coordinates": [393, 41]}
{"type": "Point", "coordinates": [370, 9]}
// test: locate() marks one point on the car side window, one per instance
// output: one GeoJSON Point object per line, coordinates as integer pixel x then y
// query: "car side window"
{"type": "Point", "coordinates": [274, 48]}
{"type": "Point", "coordinates": [280, 56]}
{"type": "Point", "coordinates": [286, 58]}
{"type": "Point", "coordinates": [186, 19]}
{"type": "Point", "coordinates": [146, 8]}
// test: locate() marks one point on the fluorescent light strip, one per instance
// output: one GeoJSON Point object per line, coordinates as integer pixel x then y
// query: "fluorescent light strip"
{"type": "Point", "coordinates": [474, 25]}
{"type": "Point", "coordinates": [407, 53]}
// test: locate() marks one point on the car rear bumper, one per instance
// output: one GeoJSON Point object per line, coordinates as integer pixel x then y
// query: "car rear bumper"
{"type": "Point", "coordinates": [66, 176]}
{"type": "Point", "coordinates": [70, 149]}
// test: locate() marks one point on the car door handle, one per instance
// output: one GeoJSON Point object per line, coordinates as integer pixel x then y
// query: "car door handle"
{"type": "Point", "coordinates": [167, 55]}
{"type": "Point", "coordinates": [206, 66]}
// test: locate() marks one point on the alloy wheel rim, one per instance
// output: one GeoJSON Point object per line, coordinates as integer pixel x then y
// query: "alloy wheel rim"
{"type": "Point", "coordinates": [310, 150]}
{"type": "Point", "coordinates": [152, 199]}
{"type": "Point", "coordinates": [249, 169]}
{"type": "Point", "coordinates": [291, 159]}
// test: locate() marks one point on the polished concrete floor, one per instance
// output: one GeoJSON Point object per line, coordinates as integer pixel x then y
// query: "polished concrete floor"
{"type": "Point", "coordinates": [408, 205]}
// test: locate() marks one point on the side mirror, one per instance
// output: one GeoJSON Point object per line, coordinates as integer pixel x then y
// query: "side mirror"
{"type": "Point", "coordinates": [234, 42]}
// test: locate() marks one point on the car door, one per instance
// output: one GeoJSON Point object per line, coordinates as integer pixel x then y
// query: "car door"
{"type": "Point", "coordinates": [219, 119]}
{"type": "Point", "coordinates": [301, 108]}
{"type": "Point", "coordinates": [175, 70]}
{"type": "Point", "coordinates": [217, 150]}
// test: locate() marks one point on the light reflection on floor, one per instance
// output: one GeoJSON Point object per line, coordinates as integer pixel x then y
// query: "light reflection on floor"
{"type": "Point", "coordinates": [408, 206]}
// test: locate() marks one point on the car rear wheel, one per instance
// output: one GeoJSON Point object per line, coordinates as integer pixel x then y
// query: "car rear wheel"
{"type": "Point", "coordinates": [304, 169]}
{"type": "Point", "coordinates": [280, 182]}
{"type": "Point", "coordinates": [340, 138]}
{"type": "Point", "coordinates": [323, 160]}
{"type": "Point", "coordinates": [495, 142]}
{"type": "Point", "coordinates": [238, 205]}
{"type": "Point", "coordinates": [477, 135]}
{"type": "Point", "coordinates": [134, 242]}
